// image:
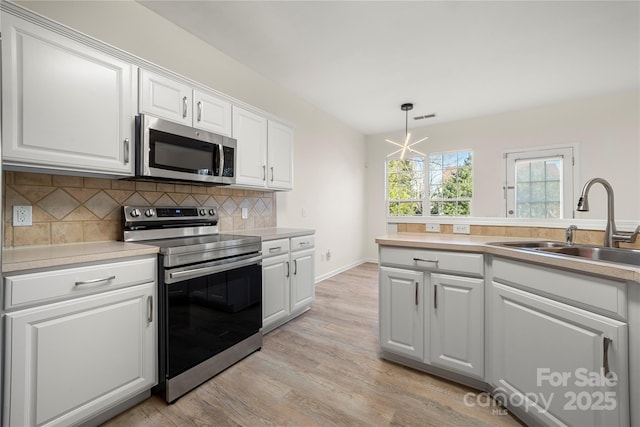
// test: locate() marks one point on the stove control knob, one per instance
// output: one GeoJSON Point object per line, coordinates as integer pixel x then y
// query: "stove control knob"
{"type": "Point", "coordinates": [135, 213]}
{"type": "Point", "coordinates": [148, 213]}
{"type": "Point", "coordinates": [212, 212]}
{"type": "Point", "coordinates": [202, 212]}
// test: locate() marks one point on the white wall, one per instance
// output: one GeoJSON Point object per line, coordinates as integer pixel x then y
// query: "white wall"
{"type": "Point", "coordinates": [605, 129]}
{"type": "Point", "coordinates": [328, 155]}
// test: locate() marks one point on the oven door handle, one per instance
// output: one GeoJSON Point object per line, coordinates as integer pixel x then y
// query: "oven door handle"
{"type": "Point", "coordinates": [178, 276]}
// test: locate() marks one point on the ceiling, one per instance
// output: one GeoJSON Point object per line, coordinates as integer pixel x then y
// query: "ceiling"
{"type": "Point", "coordinates": [360, 60]}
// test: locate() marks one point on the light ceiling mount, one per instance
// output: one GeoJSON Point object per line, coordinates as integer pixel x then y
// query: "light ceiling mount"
{"type": "Point", "coordinates": [404, 147]}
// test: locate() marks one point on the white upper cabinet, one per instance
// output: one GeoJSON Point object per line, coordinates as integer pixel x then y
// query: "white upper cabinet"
{"type": "Point", "coordinates": [265, 151]}
{"type": "Point", "coordinates": [211, 113]}
{"type": "Point", "coordinates": [280, 151]}
{"type": "Point", "coordinates": [165, 98]}
{"type": "Point", "coordinates": [250, 130]}
{"type": "Point", "coordinates": [65, 105]}
{"type": "Point", "coordinates": [173, 100]}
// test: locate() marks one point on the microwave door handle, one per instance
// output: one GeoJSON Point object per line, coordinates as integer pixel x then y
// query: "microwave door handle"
{"type": "Point", "coordinates": [221, 161]}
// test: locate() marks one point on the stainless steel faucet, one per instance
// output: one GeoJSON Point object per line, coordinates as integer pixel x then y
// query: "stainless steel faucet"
{"type": "Point", "coordinates": [612, 237]}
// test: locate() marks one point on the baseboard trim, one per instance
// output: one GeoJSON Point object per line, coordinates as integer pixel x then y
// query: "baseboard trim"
{"type": "Point", "coordinates": [343, 269]}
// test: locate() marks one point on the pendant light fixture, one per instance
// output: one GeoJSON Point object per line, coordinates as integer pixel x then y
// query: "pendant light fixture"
{"type": "Point", "coordinates": [406, 146]}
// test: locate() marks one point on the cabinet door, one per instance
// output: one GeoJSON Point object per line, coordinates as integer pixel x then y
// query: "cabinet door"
{"type": "Point", "coordinates": [68, 361]}
{"type": "Point", "coordinates": [302, 280]}
{"type": "Point", "coordinates": [65, 106]}
{"type": "Point", "coordinates": [165, 98]}
{"type": "Point", "coordinates": [457, 324]}
{"type": "Point", "coordinates": [548, 359]}
{"type": "Point", "coordinates": [211, 113]}
{"type": "Point", "coordinates": [280, 151]}
{"type": "Point", "coordinates": [251, 132]}
{"type": "Point", "coordinates": [402, 312]}
{"type": "Point", "coordinates": [275, 290]}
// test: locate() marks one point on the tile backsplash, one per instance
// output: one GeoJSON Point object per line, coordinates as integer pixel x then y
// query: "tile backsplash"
{"type": "Point", "coordinates": [74, 209]}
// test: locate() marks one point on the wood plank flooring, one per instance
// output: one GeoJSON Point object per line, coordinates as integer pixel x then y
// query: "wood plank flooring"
{"type": "Point", "coordinates": [322, 369]}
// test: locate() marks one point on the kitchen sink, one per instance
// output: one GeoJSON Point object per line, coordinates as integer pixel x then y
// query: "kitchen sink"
{"type": "Point", "coordinates": [599, 253]}
{"type": "Point", "coordinates": [542, 244]}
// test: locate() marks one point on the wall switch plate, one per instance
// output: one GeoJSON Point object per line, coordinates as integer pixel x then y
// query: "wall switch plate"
{"type": "Point", "coordinates": [434, 228]}
{"type": "Point", "coordinates": [462, 228]}
{"type": "Point", "coordinates": [245, 213]}
{"type": "Point", "coordinates": [21, 216]}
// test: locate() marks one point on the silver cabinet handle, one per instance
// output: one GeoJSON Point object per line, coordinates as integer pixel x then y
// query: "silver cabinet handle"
{"type": "Point", "coordinates": [288, 269]}
{"type": "Point", "coordinates": [199, 111]}
{"type": "Point", "coordinates": [426, 260]}
{"type": "Point", "coordinates": [435, 296]}
{"type": "Point", "coordinates": [149, 309]}
{"type": "Point", "coordinates": [295, 267]}
{"type": "Point", "coordinates": [277, 248]}
{"type": "Point", "coordinates": [416, 293]}
{"type": "Point", "coordinates": [605, 356]}
{"type": "Point", "coordinates": [264, 172]}
{"type": "Point", "coordinates": [305, 243]}
{"type": "Point", "coordinates": [126, 151]}
{"type": "Point", "coordinates": [94, 281]}
{"type": "Point", "coordinates": [184, 107]}
{"type": "Point", "coordinates": [271, 173]}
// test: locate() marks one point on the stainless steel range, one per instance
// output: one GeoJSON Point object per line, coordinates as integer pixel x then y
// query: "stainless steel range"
{"type": "Point", "coordinates": [210, 293]}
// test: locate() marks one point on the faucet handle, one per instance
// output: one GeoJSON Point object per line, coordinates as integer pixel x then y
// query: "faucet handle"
{"type": "Point", "coordinates": [626, 236]}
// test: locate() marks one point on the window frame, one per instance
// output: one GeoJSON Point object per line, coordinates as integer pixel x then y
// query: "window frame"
{"type": "Point", "coordinates": [426, 199]}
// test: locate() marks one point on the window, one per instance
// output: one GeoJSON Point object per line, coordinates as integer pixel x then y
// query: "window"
{"type": "Point", "coordinates": [439, 184]}
{"type": "Point", "coordinates": [450, 183]}
{"type": "Point", "coordinates": [405, 186]}
{"type": "Point", "coordinates": [538, 182]}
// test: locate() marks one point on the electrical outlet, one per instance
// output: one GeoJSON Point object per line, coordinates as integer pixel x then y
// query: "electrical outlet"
{"type": "Point", "coordinates": [21, 216]}
{"type": "Point", "coordinates": [328, 255]}
{"type": "Point", "coordinates": [245, 213]}
{"type": "Point", "coordinates": [462, 228]}
{"type": "Point", "coordinates": [434, 228]}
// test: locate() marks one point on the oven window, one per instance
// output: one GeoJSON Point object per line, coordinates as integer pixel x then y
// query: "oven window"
{"type": "Point", "coordinates": [207, 315]}
{"type": "Point", "coordinates": [181, 154]}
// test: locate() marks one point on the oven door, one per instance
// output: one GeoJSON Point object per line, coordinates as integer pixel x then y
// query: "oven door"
{"type": "Point", "coordinates": [210, 308]}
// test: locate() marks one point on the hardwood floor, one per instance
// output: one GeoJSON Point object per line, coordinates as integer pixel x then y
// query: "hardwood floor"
{"type": "Point", "coordinates": [322, 369]}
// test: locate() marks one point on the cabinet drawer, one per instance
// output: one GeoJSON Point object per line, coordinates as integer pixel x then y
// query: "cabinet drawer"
{"type": "Point", "coordinates": [604, 296]}
{"type": "Point", "coordinates": [424, 259]}
{"type": "Point", "coordinates": [72, 282]}
{"type": "Point", "coordinates": [302, 242]}
{"type": "Point", "coordinates": [275, 247]}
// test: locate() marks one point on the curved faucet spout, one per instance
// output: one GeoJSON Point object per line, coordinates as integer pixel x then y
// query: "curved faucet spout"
{"type": "Point", "coordinates": [583, 206]}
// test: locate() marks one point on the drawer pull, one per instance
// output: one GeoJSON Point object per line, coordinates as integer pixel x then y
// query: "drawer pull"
{"type": "Point", "coordinates": [92, 281]}
{"type": "Point", "coordinates": [605, 357]}
{"type": "Point", "coordinates": [435, 261]}
{"type": "Point", "coordinates": [277, 248]}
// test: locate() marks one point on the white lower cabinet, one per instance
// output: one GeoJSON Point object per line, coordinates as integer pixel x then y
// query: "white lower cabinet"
{"type": "Point", "coordinates": [288, 279]}
{"type": "Point", "coordinates": [70, 360]}
{"type": "Point", "coordinates": [550, 360]}
{"type": "Point", "coordinates": [457, 324]}
{"type": "Point", "coordinates": [275, 285]}
{"type": "Point", "coordinates": [402, 312]}
{"type": "Point", "coordinates": [430, 315]}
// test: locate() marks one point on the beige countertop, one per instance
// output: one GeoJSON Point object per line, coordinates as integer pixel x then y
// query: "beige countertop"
{"type": "Point", "coordinates": [457, 242]}
{"type": "Point", "coordinates": [34, 257]}
{"type": "Point", "coordinates": [275, 232]}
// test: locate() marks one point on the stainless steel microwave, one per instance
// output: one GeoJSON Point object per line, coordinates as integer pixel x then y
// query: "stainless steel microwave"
{"type": "Point", "coordinates": [171, 151]}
